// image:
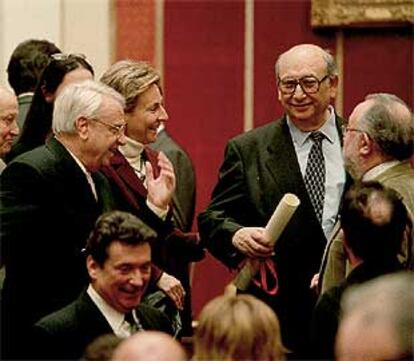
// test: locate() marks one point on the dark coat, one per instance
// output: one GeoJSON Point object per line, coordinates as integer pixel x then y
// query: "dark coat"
{"type": "Point", "coordinates": [185, 192]}
{"type": "Point", "coordinates": [47, 212]}
{"type": "Point", "coordinates": [64, 335]}
{"type": "Point", "coordinates": [259, 167]}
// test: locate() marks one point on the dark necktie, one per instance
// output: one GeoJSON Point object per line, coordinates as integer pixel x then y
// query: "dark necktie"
{"type": "Point", "coordinates": [134, 324]}
{"type": "Point", "coordinates": [315, 174]}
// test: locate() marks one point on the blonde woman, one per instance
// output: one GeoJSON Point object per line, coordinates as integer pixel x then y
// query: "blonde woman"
{"type": "Point", "coordinates": [238, 328]}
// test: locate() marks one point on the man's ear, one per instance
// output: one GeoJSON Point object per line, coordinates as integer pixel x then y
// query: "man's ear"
{"type": "Point", "coordinates": [82, 127]}
{"type": "Point", "coordinates": [366, 144]}
{"type": "Point", "coordinates": [333, 86]}
{"type": "Point", "coordinates": [93, 267]}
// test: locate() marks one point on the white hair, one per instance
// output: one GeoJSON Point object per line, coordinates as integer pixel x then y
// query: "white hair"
{"type": "Point", "coordinates": [80, 99]}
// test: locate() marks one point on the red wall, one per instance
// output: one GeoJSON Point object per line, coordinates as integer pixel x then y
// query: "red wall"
{"type": "Point", "coordinates": [203, 77]}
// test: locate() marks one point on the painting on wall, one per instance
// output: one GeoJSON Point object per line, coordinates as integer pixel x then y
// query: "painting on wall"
{"type": "Point", "coordinates": [331, 13]}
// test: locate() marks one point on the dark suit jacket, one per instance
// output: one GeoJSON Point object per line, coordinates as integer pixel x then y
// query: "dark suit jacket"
{"type": "Point", "coordinates": [47, 211]}
{"type": "Point", "coordinates": [260, 166]}
{"type": "Point", "coordinates": [64, 335]}
{"type": "Point", "coordinates": [185, 193]}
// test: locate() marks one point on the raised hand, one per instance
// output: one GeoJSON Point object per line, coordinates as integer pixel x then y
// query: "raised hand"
{"type": "Point", "coordinates": [160, 189]}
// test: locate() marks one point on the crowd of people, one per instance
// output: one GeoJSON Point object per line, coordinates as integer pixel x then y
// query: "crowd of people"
{"type": "Point", "coordinates": [97, 209]}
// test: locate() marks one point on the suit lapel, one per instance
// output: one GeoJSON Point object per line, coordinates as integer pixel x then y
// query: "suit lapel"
{"type": "Point", "coordinates": [281, 156]}
{"type": "Point", "coordinates": [93, 321]}
{"type": "Point", "coordinates": [67, 168]}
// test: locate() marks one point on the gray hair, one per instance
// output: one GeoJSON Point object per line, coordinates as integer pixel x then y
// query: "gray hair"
{"type": "Point", "coordinates": [390, 124]}
{"type": "Point", "coordinates": [387, 301]}
{"type": "Point", "coordinates": [131, 78]}
{"type": "Point", "coordinates": [80, 99]}
{"type": "Point", "coordinates": [331, 67]}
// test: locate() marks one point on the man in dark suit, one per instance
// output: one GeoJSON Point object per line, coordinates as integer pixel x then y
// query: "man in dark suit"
{"type": "Point", "coordinates": [143, 180]}
{"type": "Point", "coordinates": [373, 219]}
{"type": "Point", "coordinates": [50, 199]}
{"type": "Point", "coordinates": [185, 193]}
{"type": "Point", "coordinates": [119, 267]}
{"type": "Point", "coordinates": [264, 164]}
{"type": "Point", "coordinates": [25, 66]}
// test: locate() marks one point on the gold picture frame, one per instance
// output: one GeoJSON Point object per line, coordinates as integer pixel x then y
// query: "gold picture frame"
{"type": "Point", "coordinates": [326, 13]}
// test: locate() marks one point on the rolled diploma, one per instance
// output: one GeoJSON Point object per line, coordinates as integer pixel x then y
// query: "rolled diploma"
{"type": "Point", "coordinates": [274, 228]}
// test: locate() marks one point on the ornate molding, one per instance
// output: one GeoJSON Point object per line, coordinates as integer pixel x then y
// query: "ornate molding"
{"type": "Point", "coordinates": [353, 12]}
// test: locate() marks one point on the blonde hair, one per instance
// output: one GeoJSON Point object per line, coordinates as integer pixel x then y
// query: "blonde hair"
{"type": "Point", "coordinates": [131, 78]}
{"type": "Point", "coordinates": [238, 328]}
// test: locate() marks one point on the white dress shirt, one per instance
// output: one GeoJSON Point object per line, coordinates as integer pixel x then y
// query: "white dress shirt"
{"type": "Point", "coordinates": [119, 326]}
{"type": "Point", "coordinates": [334, 165]}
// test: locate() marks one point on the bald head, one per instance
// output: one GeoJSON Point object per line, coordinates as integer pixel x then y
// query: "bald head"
{"type": "Point", "coordinates": [302, 52]}
{"type": "Point", "coordinates": [8, 118]}
{"type": "Point", "coordinates": [150, 346]}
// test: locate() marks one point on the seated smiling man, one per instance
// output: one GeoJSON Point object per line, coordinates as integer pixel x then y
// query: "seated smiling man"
{"type": "Point", "coordinates": [119, 267]}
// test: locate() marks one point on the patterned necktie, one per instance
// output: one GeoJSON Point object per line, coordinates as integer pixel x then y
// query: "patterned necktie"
{"type": "Point", "coordinates": [133, 322]}
{"type": "Point", "coordinates": [315, 174]}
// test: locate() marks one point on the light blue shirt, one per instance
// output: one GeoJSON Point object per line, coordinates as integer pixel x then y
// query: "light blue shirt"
{"type": "Point", "coordinates": [334, 165]}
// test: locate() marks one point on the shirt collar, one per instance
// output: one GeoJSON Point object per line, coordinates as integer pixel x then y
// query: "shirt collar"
{"type": "Point", "coordinates": [132, 149]}
{"type": "Point", "coordinates": [114, 317]}
{"type": "Point", "coordinates": [379, 169]}
{"type": "Point", "coordinates": [328, 129]}
{"type": "Point", "coordinates": [80, 164]}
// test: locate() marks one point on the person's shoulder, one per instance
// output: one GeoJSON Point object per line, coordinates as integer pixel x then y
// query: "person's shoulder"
{"type": "Point", "coordinates": [153, 319]}
{"type": "Point", "coordinates": [59, 319]}
{"type": "Point", "coordinates": [260, 135]}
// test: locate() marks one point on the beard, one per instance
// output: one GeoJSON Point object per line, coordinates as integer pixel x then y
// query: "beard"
{"type": "Point", "coordinates": [352, 168]}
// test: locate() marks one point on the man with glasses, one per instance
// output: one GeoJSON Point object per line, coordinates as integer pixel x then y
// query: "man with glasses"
{"type": "Point", "coordinates": [50, 199]}
{"type": "Point", "coordinates": [378, 144]}
{"type": "Point", "coordinates": [300, 154]}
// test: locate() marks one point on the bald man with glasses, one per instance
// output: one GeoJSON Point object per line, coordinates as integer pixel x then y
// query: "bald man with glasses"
{"type": "Point", "coordinates": [301, 154]}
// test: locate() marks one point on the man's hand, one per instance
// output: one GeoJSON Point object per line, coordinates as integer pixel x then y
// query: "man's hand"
{"type": "Point", "coordinates": [160, 190]}
{"type": "Point", "coordinates": [253, 242]}
{"type": "Point", "coordinates": [315, 281]}
{"type": "Point", "coordinates": [173, 288]}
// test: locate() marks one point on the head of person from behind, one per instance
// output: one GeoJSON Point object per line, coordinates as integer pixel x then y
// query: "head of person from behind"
{"type": "Point", "coordinates": [62, 70]}
{"type": "Point", "coordinates": [377, 321]}
{"type": "Point", "coordinates": [140, 85]}
{"type": "Point", "coordinates": [119, 259]}
{"type": "Point", "coordinates": [27, 62]}
{"type": "Point", "coordinates": [88, 119]}
{"type": "Point", "coordinates": [380, 129]}
{"type": "Point", "coordinates": [307, 82]}
{"type": "Point", "coordinates": [238, 327]}
{"type": "Point", "coordinates": [8, 120]}
{"type": "Point", "coordinates": [150, 346]}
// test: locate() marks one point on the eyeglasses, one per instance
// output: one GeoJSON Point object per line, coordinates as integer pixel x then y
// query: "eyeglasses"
{"type": "Point", "coordinates": [349, 129]}
{"type": "Point", "coordinates": [115, 129]}
{"type": "Point", "coordinates": [61, 56]}
{"type": "Point", "coordinates": [309, 84]}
